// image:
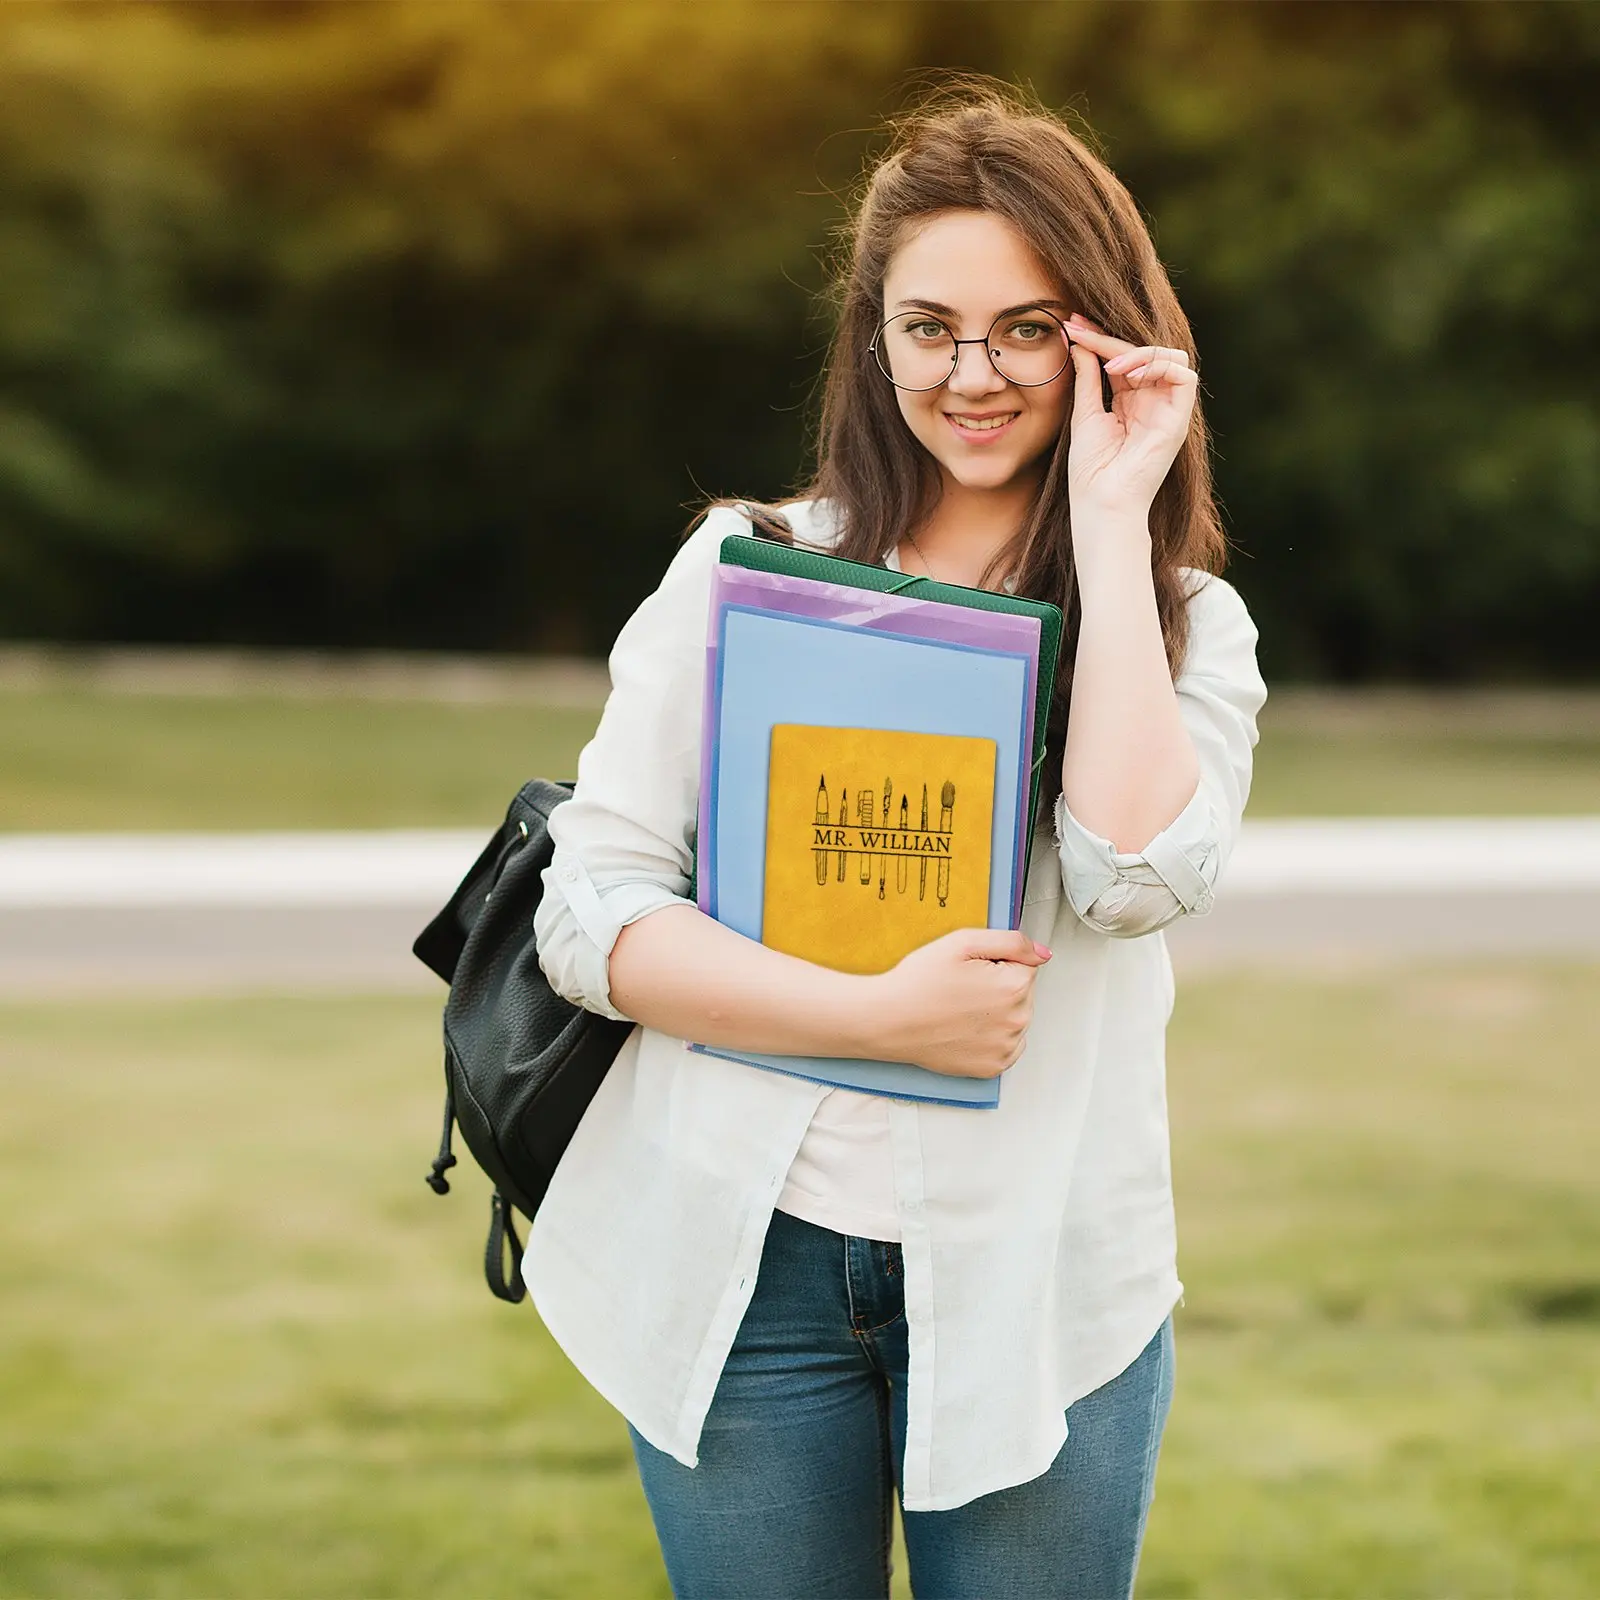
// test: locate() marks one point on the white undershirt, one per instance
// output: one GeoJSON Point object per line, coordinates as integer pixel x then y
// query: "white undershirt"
{"type": "Point", "coordinates": [843, 1175]}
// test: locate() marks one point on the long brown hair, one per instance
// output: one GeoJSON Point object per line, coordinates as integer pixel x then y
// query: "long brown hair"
{"type": "Point", "coordinates": [980, 146]}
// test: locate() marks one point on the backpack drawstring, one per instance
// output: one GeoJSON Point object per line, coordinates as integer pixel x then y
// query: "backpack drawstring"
{"type": "Point", "coordinates": [445, 1159]}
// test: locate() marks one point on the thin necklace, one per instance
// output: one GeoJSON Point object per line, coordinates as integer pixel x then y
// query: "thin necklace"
{"type": "Point", "coordinates": [912, 539]}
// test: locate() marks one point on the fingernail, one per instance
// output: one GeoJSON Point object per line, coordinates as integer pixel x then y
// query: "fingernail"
{"type": "Point", "coordinates": [1138, 372]}
{"type": "Point", "coordinates": [1043, 951]}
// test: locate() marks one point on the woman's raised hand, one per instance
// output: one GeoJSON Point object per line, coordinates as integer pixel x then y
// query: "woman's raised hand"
{"type": "Point", "coordinates": [1117, 459]}
{"type": "Point", "coordinates": [962, 1004]}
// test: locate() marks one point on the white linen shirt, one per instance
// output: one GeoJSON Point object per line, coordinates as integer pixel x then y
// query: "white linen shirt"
{"type": "Point", "coordinates": [1038, 1238]}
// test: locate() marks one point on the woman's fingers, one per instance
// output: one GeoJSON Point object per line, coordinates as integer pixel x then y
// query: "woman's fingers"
{"type": "Point", "coordinates": [1144, 356]}
{"type": "Point", "coordinates": [1090, 337]}
{"type": "Point", "coordinates": [1122, 359]}
{"type": "Point", "coordinates": [1163, 371]}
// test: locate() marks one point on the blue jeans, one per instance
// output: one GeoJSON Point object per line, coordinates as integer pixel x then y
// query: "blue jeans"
{"type": "Point", "coordinates": [803, 1443]}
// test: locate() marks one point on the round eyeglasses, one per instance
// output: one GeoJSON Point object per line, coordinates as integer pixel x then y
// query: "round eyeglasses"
{"type": "Point", "coordinates": [917, 352]}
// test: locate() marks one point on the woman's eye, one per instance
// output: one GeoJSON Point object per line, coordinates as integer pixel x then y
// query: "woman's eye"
{"type": "Point", "coordinates": [1027, 332]}
{"type": "Point", "coordinates": [927, 330]}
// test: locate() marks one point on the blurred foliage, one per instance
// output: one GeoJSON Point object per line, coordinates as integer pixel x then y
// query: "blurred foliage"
{"type": "Point", "coordinates": [422, 322]}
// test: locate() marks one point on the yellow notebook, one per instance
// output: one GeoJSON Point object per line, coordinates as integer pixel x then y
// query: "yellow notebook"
{"type": "Point", "coordinates": [877, 842]}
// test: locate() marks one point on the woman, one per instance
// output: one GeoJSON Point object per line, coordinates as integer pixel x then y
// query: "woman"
{"type": "Point", "coordinates": [804, 1299]}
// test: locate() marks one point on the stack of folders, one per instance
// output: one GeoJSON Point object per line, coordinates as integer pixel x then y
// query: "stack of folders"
{"type": "Point", "coordinates": [870, 766]}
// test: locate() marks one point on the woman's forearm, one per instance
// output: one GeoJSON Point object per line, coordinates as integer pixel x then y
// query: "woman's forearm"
{"type": "Point", "coordinates": [1130, 766]}
{"type": "Point", "coordinates": [683, 974]}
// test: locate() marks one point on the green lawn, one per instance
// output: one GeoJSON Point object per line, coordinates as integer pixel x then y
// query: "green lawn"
{"type": "Point", "coordinates": [79, 758]}
{"type": "Point", "coordinates": [76, 759]}
{"type": "Point", "coordinates": [247, 1354]}
{"type": "Point", "coordinates": [1416, 755]}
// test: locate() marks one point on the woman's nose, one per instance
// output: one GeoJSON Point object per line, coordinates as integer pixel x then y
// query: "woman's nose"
{"type": "Point", "coordinates": [974, 372]}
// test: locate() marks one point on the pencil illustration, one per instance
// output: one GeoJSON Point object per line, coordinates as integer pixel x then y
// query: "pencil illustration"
{"type": "Point", "coordinates": [922, 866]}
{"type": "Point", "coordinates": [947, 801]}
{"type": "Point", "coordinates": [844, 820]}
{"type": "Point", "coordinates": [900, 860]}
{"type": "Point", "coordinates": [823, 819]}
{"type": "Point", "coordinates": [868, 803]}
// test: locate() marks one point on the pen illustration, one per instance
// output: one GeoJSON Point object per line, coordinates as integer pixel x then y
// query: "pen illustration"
{"type": "Point", "coordinates": [922, 869]}
{"type": "Point", "coordinates": [947, 803]}
{"type": "Point", "coordinates": [900, 861]}
{"type": "Point", "coordinates": [883, 861]}
{"type": "Point", "coordinates": [868, 804]}
{"type": "Point", "coordinates": [844, 822]}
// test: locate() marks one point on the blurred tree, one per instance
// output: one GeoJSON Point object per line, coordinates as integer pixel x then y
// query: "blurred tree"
{"type": "Point", "coordinates": [357, 323]}
{"type": "Point", "coordinates": [1387, 224]}
{"type": "Point", "coordinates": [419, 323]}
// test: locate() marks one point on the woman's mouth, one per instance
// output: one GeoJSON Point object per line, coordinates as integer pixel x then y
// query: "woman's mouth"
{"type": "Point", "coordinates": [981, 428]}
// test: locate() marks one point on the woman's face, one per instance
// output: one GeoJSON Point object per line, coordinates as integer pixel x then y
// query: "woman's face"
{"type": "Point", "coordinates": [967, 267]}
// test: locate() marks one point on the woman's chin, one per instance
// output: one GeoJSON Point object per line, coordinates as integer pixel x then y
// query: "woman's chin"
{"type": "Point", "coordinates": [983, 476]}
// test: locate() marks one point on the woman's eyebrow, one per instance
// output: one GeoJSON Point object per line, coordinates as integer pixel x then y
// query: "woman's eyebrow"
{"type": "Point", "coordinates": [939, 309]}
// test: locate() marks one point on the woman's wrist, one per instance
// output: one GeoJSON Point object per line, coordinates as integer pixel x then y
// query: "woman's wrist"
{"type": "Point", "coordinates": [869, 1016]}
{"type": "Point", "coordinates": [1110, 547]}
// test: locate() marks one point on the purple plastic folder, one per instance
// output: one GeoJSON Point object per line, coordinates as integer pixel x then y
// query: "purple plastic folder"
{"type": "Point", "coordinates": [862, 608]}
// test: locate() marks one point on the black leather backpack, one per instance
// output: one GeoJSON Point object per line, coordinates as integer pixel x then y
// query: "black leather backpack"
{"type": "Point", "coordinates": [520, 1063]}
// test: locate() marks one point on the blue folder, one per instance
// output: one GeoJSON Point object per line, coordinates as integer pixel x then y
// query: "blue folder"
{"type": "Point", "coordinates": [773, 669]}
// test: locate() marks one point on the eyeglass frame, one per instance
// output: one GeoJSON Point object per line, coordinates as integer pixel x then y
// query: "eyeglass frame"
{"type": "Point", "coordinates": [875, 350]}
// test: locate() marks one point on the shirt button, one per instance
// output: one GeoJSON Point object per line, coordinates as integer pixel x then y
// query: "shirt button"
{"type": "Point", "coordinates": [569, 873]}
{"type": "Point", "coordinates": [913, 1205]}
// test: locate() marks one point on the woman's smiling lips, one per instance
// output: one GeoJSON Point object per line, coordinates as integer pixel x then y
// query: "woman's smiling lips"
{"type": "Point", "coordinates": [980, 427]}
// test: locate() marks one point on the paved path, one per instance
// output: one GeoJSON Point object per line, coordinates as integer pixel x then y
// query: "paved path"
{"type": "Point", "coordinates": [109, 913]}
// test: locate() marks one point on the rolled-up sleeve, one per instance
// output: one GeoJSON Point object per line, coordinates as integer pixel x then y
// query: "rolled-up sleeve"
{"type": "Point", "coordinates": [624, 843]}
{"type": "Point", "coordinates": [1220, 693]}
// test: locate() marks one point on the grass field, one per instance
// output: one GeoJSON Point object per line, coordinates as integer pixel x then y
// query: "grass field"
{"type": "Point", "coordinates": [80, 759]}
{"type": "Point", "coordinates": [247, 1354]}
{"type": "Point", "coordinates": [101, 762]}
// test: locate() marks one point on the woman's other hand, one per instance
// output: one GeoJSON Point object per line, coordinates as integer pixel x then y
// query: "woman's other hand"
{"type": "Point", "coordinates": [1117, 459]}
{"type": "Point", "coordinates": [961, 1005]}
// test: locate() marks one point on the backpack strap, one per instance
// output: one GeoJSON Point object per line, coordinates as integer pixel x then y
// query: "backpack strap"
{"type": "Point", "coordinates": [503, 1231]}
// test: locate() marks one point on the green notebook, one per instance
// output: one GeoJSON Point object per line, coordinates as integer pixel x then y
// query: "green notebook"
{"type": "Point", "coordinates": [763, 555]}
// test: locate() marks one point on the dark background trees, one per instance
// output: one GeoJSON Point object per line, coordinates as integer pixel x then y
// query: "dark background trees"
{"type": "Point", "coordinates": [422, 323]}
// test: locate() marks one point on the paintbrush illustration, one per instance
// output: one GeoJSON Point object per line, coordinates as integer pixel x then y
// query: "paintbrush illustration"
{"type": "Point", "coordinates": [947, 803]}
{"type": "Point", "coordinates": [822, 821]}
{"type": "Point", "coordinates": [922, 865]}
{"type": "Point", "coordinates": [844, 822]}
{"type": "Point", "coordinates": [900, 860]}
{"type": "Point", "coordinates": [867, 804]}
{"type": "Point", "coordinates": [883, 860]}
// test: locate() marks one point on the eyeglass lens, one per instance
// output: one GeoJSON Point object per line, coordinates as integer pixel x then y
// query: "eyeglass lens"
{"type": "Point", "coordinates": [915, 350]}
